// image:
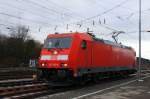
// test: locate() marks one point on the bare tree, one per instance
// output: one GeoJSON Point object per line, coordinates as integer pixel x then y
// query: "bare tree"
{"type": "Point", "coordinates": [20, 32]}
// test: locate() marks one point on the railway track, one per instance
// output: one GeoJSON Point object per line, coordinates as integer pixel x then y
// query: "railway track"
{"type": "Point", "coordinates": [18, 82]}
{"type": "Point", "coordinates": [10, 88]}
{"type": "Point", "coordinates": [145, 71]}
{"type": "Point", "coordinates": [30, 91]}
{"type": "Point", "coordinates": [30, 88]}
{"type": "Point", "coordinates": [25, 88]}
{"type": "Point", "coordinates": [16, 73]}
{"type": "Point", "coordinates": [12, 91]}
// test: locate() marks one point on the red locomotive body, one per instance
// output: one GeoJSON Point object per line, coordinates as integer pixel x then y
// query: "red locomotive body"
{"type": "Point", "coordinates": [76, 55]}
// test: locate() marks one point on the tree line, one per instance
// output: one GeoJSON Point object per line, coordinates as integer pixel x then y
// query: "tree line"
{"type": "Point", "coordinates": [17, 48]}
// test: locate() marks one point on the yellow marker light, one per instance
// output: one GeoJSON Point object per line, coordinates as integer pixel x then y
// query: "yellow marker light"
{"type": "Point", "coordinates": [55, 52]}
{"type": "Point", "coordinates": [65, 65]}
{"type": "Point", "coordinates": [43, 64]}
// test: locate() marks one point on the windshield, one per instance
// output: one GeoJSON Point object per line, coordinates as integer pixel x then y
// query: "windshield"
{"type": "Point", "coordinates": [57, 42]}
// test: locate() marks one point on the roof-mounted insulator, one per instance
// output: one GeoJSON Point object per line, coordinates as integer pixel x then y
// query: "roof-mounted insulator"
{"type": "Point", "coordinates": [88, 30]}
{"type": "Point", "coordinates": [56, 33]}
{"type": "Point", "coordinates": [91, 34]}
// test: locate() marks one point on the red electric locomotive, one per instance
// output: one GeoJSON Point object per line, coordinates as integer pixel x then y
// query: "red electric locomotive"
{"type": "Point", "coordinates": [81, 56]}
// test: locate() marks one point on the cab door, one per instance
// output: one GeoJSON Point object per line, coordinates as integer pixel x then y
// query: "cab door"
{"type": "Point", "coordinates": [85, 54]}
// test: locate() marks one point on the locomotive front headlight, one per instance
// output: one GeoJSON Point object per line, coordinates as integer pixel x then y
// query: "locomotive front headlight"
{"type": "Point", "coordinates": [64, 64]}
{"type": "Point", "coordinates": [43, 64]}
{"type": "Point", "coordinates": [55, 52]}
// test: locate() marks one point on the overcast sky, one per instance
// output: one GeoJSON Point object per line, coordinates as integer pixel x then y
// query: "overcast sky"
{"type": "Point", "coordinates": [101, 16]}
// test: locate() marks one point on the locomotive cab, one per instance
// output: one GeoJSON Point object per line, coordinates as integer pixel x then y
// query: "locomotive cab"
{"type": "Point", "coordinates": [55, 52]}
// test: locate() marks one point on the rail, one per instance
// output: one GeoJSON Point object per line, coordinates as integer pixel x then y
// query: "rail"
{"type": "Point", "coordinates": [10, 91]}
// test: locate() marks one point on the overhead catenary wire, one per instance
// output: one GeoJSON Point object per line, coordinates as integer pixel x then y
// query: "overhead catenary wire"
{"type": "Point", "coordinates": [99, 3]}
{"type": "Point", "coordinates": [103, 13]}
{"type": "Point", "coordinates": [1, 24]}
{"type": "Point", "coordinates": [29, 0]}
{"type": "Point", "coordinates": [102, 6]}
{"type": "Point", "coordinates": [48, 9]}
{"type": "Point", "coordinates": [103, 26]}
{"type": "Point", "coordinates": [91, 19]}
{"type": "Point", "coordinates": [20, 18]}
{"type": "Point", "coordinates": [29, 11]}
{"type": "Point", "coordinates": [22, 9]}
{"type": "Point", "coordinates": [67, 9]}
{"type": "Point", "coordinates": [107, 27]}
{"type": "Point", "coordinates": [44, 7]}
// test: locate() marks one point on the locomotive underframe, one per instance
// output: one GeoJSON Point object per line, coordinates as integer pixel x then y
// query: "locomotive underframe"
{"type": "Point", "coordinates": [67, 76]}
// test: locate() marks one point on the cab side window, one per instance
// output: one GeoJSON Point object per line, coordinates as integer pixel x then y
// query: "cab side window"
{"type": "Point", "coordinates": [83, 44]}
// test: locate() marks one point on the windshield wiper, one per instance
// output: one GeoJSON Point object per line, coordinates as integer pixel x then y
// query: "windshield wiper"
{"type": "Point", "coordinates": [57, 43]}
